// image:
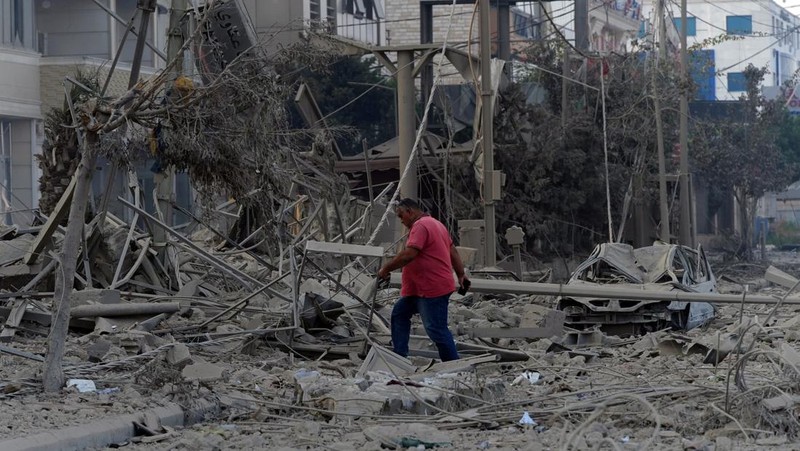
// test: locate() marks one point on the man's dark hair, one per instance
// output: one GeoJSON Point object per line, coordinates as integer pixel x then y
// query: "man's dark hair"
{"type": "Point", "coordinates": [409, 203]}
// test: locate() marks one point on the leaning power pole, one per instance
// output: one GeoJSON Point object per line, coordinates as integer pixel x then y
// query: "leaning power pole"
{"type": "Point", "coordinates": [659, 31]}
{"type": "Point", "coordinates": [686, 197]}
{"type": "Point", "coordinates": [487, 137]}
{"type": "Point", "coordinates": [165, 180]}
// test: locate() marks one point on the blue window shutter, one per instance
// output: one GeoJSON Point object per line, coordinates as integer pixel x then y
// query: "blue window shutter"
{"type": "Point", "coordinates": [691, 25]}
{"type": "Point", "coordinates": [702, 66]}
{"type": "Point", "coordinates": [736, 82]}
{"type": "Point", "coordinates": [739, 24]}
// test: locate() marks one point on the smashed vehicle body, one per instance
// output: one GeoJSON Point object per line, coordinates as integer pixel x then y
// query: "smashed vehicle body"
{"type": "Point", "coordinates": [660, 267]}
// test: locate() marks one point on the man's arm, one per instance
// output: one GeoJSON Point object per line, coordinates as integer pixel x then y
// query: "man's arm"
{"type": "Point", "coordinates": [403, 258]}
{"type": "Point", "coordinates": [458, 265]}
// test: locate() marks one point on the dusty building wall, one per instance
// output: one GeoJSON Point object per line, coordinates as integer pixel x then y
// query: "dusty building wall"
{"type": "Point", "coordinates": [276, 21]}
{"type": "Point", "coordinates": [403, 28]}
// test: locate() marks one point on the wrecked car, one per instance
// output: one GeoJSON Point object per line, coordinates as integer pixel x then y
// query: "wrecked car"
{"type": "Point", "coordinates": [660, 267]}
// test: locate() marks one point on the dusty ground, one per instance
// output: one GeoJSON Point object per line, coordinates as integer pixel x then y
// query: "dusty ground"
{"type": "Point", "coordinates": [625, 394]}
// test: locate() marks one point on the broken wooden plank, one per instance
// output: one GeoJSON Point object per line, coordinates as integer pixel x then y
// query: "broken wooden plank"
{"type": "Point", "coordinates": [18, 353]}
{"type": "Point", "coordinates": [59, 213]}
{"type": "Point", "coordinates": [128, 309]}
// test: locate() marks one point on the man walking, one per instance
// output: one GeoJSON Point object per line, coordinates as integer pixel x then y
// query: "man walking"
{"type": "Point", "coordinates": [428, 262]}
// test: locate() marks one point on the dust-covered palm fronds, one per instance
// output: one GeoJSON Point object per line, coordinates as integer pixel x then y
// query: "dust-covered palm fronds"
{"type": "Point", "coordinates": [232, 134]}
{"type": "Point", "coordinates": [60, 150]}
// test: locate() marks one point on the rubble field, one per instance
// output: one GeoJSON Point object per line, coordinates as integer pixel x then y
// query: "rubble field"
{"type": "Point", "coordinates": [221, 348]}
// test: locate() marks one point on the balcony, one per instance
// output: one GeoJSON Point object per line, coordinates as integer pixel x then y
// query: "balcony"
{"type": "Point", "coordinates": [620, 15]}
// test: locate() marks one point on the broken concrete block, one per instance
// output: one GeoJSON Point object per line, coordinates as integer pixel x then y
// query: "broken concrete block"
{"type": "Point", "coordinates": [178, 354]}
{"type": "Point", "coordinates": [780, 402]}
{"type": "Point", "coordinates": [202, 372]}
{"type": "Point", "coordinates": [495, 313]}
{"type": "Point", "coordinates": [645, 343]}
{"type": "Point", "coordinates": [98, 350]}
{"type": "Point", "coordinates": [720, 347]}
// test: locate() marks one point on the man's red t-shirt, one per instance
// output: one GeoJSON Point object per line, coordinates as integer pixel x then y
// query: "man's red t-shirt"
{"type": "Point", "coordinates": [430, 274]}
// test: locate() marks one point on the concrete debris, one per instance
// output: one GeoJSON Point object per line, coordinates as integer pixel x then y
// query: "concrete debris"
{"type": "Point", "coordinates": [290, 337]}
{"type": "Point", "coordinates": [202, 372]}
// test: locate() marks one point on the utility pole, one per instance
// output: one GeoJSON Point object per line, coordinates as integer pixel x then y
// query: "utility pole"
{"type": "Point", "coordinates": [664, 233]}
{"type": "Point", "coordinates": [406, 121]}
{"type": "Point", "coordinates": [686, 197]}
{"type": "Point", "coordinates": [165, 180]}
{"type": "Point", "coordinates": [487, 138]}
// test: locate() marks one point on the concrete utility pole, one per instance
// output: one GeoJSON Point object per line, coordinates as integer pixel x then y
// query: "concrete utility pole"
{"type": "Point", "coordinates": [664, 233]}
{"type": "Point", "coordinates": [406, 120]}
{"type": "Point", "coordinates": [686, 197]}
{"type": "Point", "coordinates": [165, 181]}
{"type": "Point", "coordinates": [487, 139]}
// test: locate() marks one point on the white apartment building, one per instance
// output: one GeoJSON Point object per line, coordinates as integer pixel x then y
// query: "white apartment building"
{"type": "Point", "coordinates": [282, 22]}
{"type": "Point", "coordinates": [761, 33]}
{"type": "Point", "coordinates": [42, 42]}
{"type": "Point", "coordinates": [612, 24]}
{"type": "Point", "coordinates": [20, 108]}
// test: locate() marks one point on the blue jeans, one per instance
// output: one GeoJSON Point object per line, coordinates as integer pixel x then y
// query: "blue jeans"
{"type": "Point", "coordinates": [433, 312]}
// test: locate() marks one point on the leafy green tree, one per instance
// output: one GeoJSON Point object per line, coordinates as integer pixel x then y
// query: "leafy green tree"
{"type": "Point", "coordinates": [358, 98]}
{"type": "Point", "coordinates": [743, 156]}
{"type": "Point", "coordinates": [555, 164]}
{"type": "Point", "coordinates": [788, 141]}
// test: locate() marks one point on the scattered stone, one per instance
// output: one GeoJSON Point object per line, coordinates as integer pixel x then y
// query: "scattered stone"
{"type": "Point", "coordinates": [178, 354]}
{"type": "Point", "coordinates": [202, 372]}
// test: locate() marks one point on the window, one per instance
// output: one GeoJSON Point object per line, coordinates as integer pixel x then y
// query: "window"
{"type": "Point", "coordinates": [739, 24]}
{"type": "Point", "coordinates": [702, 67]}
{"type": "Point", "coordinates": [360, 8]}
{"type": "Point", "coordinates": [524, 26]}
{"type": "Point", "coordinates": [332, 11]}
{"type": "Point", "coordinates": [736, 82]}
{"type": "Point", "coordinates": [314, 10]}
{"type": "Point", "coordinates": [691, 26]}
{"type": "Point", "coordinates": [17, 24]}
